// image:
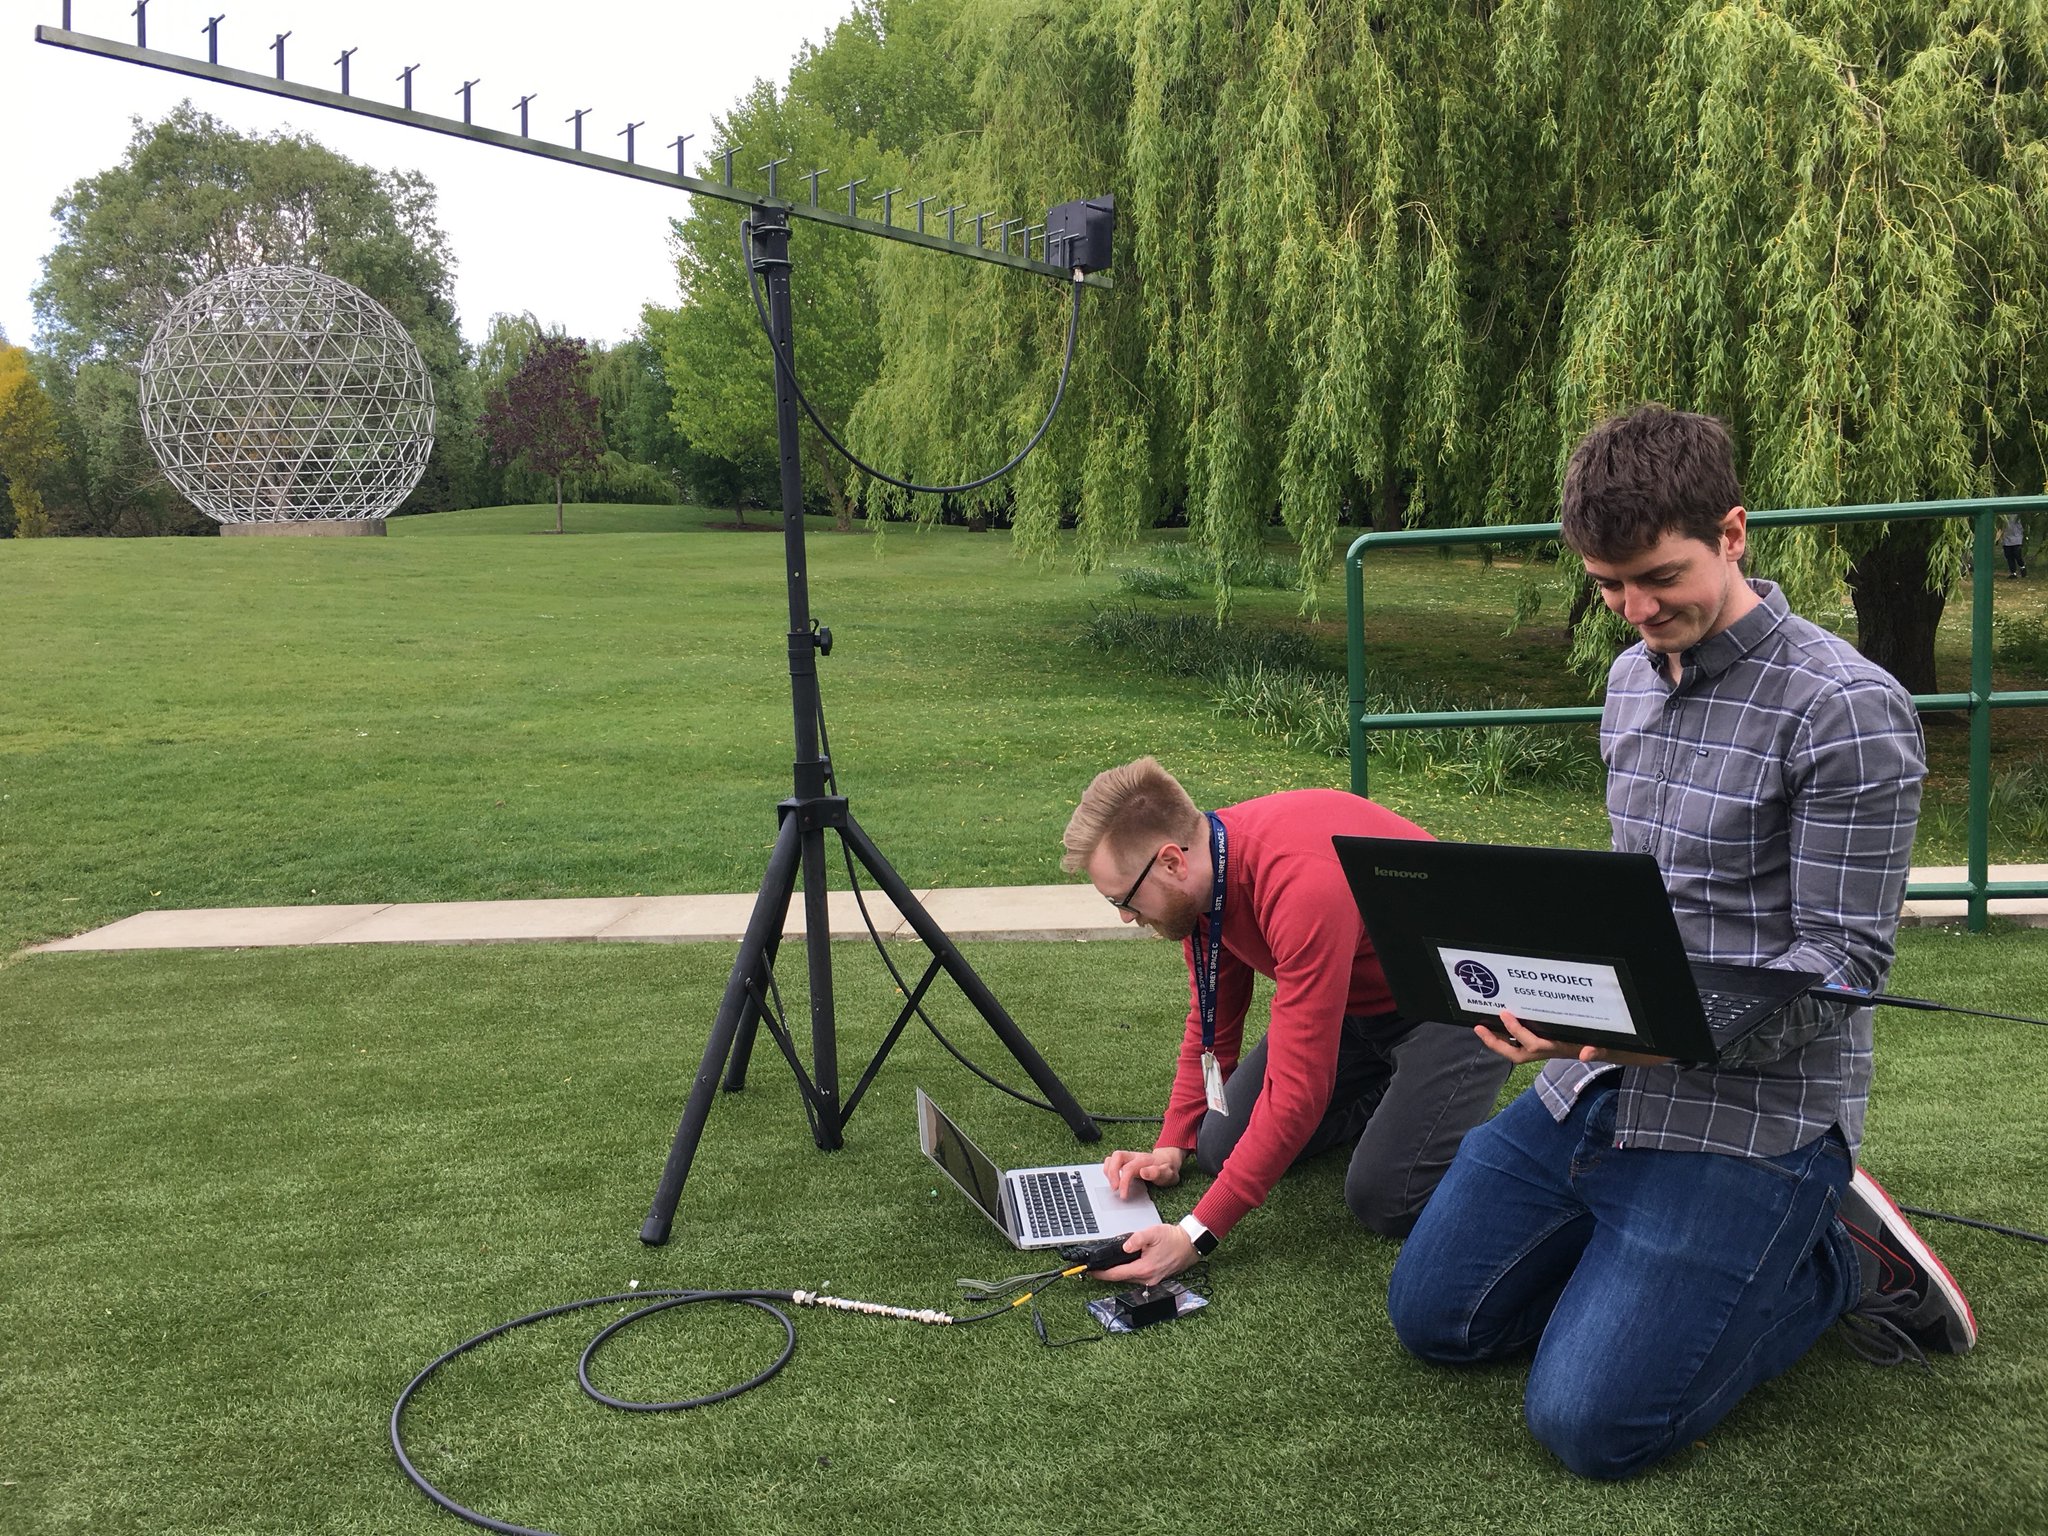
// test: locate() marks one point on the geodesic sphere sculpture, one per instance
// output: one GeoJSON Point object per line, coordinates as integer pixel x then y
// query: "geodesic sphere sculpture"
{"type": "Point", "coordinates": [280, 394]}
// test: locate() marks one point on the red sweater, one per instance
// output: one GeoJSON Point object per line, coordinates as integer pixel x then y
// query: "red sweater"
{"type": "Point", "coordinates": [1287, 914]}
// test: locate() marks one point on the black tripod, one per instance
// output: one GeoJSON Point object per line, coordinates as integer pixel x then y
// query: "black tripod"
{"type": "Point", "coordinates": [805, 818]}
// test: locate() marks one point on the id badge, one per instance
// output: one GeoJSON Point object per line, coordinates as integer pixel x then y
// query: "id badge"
{"type": "Point", "coordinates": [1212, 1083]}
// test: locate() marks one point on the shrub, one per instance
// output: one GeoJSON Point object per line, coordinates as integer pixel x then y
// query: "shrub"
{"type": "Point", "coordinates": [1192, 563]}
{"type": "Point", "coordinates": [1193, 644]}
{"type": "Point", "coordinates": [1303, 708]}
{"type": "Point", "coordinates": [1149, 581]}
{"type": "Point", "coordinates": [2017, 804]}
{"type": "Point", "coordinates": [1271, 679]}
{"type": "Point", "coordinates": [1484, 759]}
{"type": "Point", "coordinates": [2020, 641]}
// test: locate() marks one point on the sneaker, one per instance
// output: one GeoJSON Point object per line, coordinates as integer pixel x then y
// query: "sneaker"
{"type": "Point", "coordinates": [1906, 1289]}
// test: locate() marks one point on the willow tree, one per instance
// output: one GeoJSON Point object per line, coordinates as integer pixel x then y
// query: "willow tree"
{"type": "Point", "coordinates": [1824, 222]}
{"type": "Point", "coordinates": [1319, 231]}
{"type": "Point", "coordinates": [972, 351]}
{"type": "Point", "coordinates": [1403, 255]}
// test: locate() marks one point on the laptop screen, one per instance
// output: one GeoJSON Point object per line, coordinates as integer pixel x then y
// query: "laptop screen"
{"type": "Point", "coordinates": [979, 1179]}
{"type": "Point", "coordinates": [1571, 940]}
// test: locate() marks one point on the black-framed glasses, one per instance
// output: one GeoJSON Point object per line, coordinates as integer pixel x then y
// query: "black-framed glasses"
{"type": "Point", "coordinates": [1123, 903]}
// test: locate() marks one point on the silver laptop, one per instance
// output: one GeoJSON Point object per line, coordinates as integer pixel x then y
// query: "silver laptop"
{"type": "Point", "coordinates": [1032, 1207]}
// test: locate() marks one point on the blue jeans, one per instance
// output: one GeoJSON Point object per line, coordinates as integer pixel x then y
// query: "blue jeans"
{"type": "Point", "coordinates": [1656, 1287]}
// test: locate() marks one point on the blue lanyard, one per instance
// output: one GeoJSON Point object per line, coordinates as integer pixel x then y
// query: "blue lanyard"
{"type": "Point", "coordinates": [1206, 974]}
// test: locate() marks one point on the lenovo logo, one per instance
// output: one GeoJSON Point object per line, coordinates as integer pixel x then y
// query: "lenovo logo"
{"type": "Point", "coordinates": [1401, 874]}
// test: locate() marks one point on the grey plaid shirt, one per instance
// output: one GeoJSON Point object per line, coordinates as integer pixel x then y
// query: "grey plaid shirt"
{"type": "Point", "coordinates": [1777, 784]}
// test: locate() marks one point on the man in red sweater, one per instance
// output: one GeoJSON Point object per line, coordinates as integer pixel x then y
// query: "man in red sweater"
{"type": "Point", "coordinates": [1256, 888]}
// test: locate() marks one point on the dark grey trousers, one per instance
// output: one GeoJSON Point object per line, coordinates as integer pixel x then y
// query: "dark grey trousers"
{"type": "Point", "coordinates": [1406, 1093]}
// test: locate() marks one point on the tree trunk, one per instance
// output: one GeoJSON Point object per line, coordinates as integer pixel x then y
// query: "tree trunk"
{"type": "Point", "coordinates": [1585, 598]}
{"type": "Point", "coordinates": [558, 503]}
{"type": "Point", "coordinates": [842, 516]}
{"type": "Point", "coordinates": [1896, 611]}
{"type": "Point", "coordinates": [1391, 515]}
{"type": "Point", "coordinates": [1388, 516]}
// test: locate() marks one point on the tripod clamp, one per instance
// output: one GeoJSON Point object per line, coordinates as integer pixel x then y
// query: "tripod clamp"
{"type": "Point", "coordinates": [815, 813]}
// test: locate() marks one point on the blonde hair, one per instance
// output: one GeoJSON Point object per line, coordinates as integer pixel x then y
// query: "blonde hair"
{"type": "Point", "coordinates": [1130, 808]}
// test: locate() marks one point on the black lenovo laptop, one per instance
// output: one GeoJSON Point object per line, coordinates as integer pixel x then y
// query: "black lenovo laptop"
{"type": "Point", "coordinates": [1578, 945]}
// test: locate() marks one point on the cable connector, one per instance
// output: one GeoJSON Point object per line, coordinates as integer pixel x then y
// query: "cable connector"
{"type": "Point", "coordinates": [930, 1316]}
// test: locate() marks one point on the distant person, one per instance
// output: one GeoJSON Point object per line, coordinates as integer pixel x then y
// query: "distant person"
{"type": "Point", "coordinates": [2013, 539]}
{"type": "Point", "coordinates": [1255, 889]}
{"type": "Point", "coordinates": [1665, 1237]}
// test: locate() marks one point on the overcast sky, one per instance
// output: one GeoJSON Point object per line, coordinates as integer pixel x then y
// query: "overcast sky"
{"type": "Point", "coordinates": [579, 248]}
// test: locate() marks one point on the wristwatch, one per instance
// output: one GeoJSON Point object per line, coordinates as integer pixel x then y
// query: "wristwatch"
{"type": "Point", "coordinates": [1203, 1239]}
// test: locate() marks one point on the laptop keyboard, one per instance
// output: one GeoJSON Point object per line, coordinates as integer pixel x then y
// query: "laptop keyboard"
{"type": "Point", "coordinates": [1056, 1204]}
{"type": "Point", "coordinates": [1724, 1008]}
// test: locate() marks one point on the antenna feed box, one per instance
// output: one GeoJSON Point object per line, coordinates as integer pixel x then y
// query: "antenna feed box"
{"type": "Point", "coordinates": [1077, 234]}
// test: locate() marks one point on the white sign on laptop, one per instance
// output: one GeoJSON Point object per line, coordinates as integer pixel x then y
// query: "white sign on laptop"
{"type": "Point", "coordinates": [1538, 991]}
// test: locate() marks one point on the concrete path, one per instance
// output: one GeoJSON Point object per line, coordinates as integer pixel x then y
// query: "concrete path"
{"type": "Point", "coordinates": [1067, 912]}
{"type": "Point", "coordinates": [1000, 912]}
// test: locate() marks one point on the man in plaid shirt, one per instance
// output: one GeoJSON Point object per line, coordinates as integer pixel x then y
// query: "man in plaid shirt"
{"type": "Point", "coordinates": [1663, 1236]}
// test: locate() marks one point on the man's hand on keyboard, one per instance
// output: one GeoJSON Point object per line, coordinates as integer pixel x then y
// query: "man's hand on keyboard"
{"type": "Point", "coordinates": [1159, 1167]}
{"type": "Point", "coordinates": [1157, 1252]}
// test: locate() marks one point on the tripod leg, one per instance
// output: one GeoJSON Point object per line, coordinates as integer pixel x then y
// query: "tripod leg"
{"type": "Point", "coordinates": [948, 954]}
{"type": "Point", "coordinates": [750, 1017]}
{"type": "Point", "coordinates": [818, 950]}
{"type": "Point", "coordinates": [770, 907]}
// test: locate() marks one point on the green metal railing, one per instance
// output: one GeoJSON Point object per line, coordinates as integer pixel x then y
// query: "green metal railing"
{"type": "Point", "coordinates": [1977, 889]}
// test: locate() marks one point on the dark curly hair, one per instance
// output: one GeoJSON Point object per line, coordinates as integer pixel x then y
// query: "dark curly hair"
{"type": "Point", "coordinates": [1646, 473]}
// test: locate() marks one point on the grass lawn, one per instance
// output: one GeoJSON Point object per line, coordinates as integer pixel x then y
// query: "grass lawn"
{"type": "Point", "coordinates": [249, 1194]}
{"type": "Point", "coordinates": [442, 715]}
{"type": "Point", "coordinates": [253, 722]}
{"type": "Point", "coordinates": [243, 1196]}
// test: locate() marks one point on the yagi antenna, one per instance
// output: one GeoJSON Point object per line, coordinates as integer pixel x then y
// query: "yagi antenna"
{"type": "Point", "coordinates": [914, 231]}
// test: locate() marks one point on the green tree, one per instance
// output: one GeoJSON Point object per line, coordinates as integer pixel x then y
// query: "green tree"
{"type": "Point", "coordinates": [883, 83]}
{"type": "Point", "coordinates": [507, 341]}
{"type": "Point", "coordinates": [30, 446]}
{"type": "Point", "coordinates": [644, 456]}
{"type": "Point", "coordinates": [109, 484]}
{"type": "Point", "coordinates": [712, 348]}
{"type": "Point", "coordinates": [190, 199]}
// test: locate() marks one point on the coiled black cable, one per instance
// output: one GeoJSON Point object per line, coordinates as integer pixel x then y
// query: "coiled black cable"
{"type": "Point", "coordinates": [663, 1301]}
{"type": "Point", "coordinates": [761, 1299]}
{"type": "Point", "coordinates": [683, 1299]}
